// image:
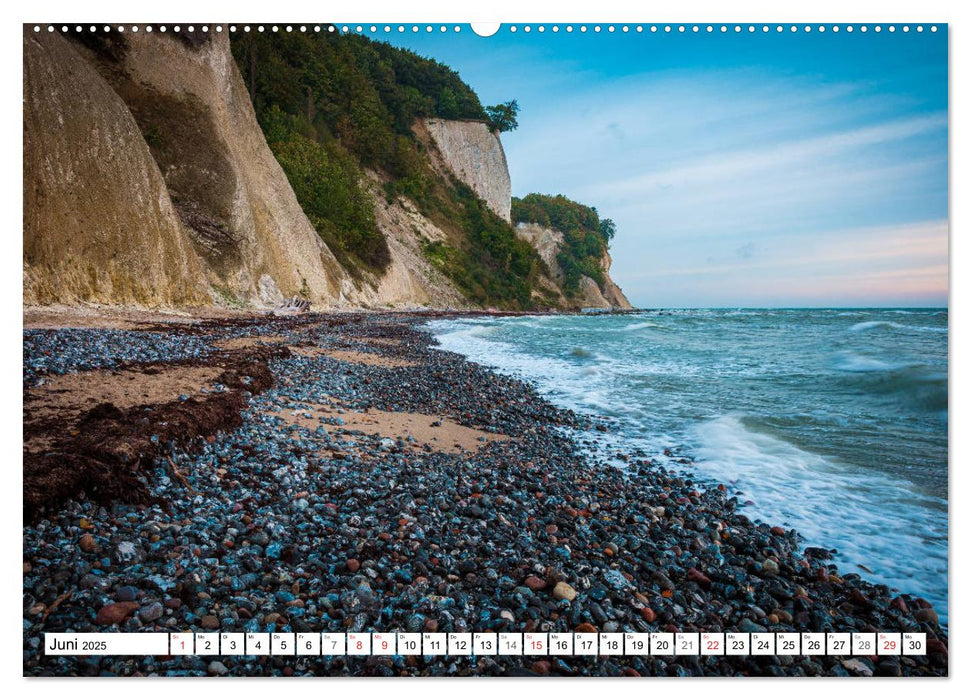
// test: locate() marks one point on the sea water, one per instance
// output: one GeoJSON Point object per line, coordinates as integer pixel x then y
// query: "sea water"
{"type": "Point", "coordinates": [830, 421]}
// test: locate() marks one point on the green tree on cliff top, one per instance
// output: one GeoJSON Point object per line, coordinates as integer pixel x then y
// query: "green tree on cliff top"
{"type": "Point", "coordinates": [502, 117]}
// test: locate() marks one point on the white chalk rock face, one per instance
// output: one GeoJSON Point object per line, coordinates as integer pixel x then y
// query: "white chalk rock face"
{"type": "Point", "coordinates": [475, 155]}
{"type": "Point", "coordinates": [98, 222]}
{"type": "Point", "coordinates": [547, 243]}
{"type": "Point", "coordinates": [248, 225]}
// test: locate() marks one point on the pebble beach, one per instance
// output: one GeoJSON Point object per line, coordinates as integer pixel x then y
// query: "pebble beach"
{"type": "Point", "coordinates": [338, 472]}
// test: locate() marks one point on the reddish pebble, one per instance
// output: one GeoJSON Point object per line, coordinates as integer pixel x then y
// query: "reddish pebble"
{"type": "Point", "coordinates": [115, 613]}
{"type": "Point", "coordinates": [541, 667]}
{"type": "Point", "coordinates": [353, 565]}
{"type": "Point", "coordinates": [648, 614]}
{"type": "Point", "coordinates": [698, 577]}
{"type": "Point", "coordinates": [534, 583]}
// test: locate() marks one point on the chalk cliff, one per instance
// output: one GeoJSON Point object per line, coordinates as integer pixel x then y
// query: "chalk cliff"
{"type": "Point", "coordinates": [612, 293]}
{"type": "Point", "coordinates": [148, 181]}
{"type": "Point", "coordinates": [475, 155]}
{"type": "Point", "coordinates": [410, 280]}
{"type": "Point", "coordinates": [548, 242]}
{"type": "Point", "coordinates": [99, 225]}
{"type": "Point", "coordinates": [241, 214]}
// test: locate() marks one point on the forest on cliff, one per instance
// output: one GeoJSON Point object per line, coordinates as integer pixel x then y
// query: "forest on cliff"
{"type": "Point", "coordinates": [334, 106]}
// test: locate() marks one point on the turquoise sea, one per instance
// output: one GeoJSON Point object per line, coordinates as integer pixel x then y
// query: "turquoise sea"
{"type": "Point", "coordinates": [831, 421]}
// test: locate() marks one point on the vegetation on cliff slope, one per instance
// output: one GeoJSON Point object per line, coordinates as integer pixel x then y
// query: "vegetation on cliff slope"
{"type": "Point", "coordinates": [327, 183]}
{"type": "Point", "coordinates": [585, 235]}
{"type": "Point", "coordinates": [333, 104]}
{"type": "Point", "coordinates": [493, 266]}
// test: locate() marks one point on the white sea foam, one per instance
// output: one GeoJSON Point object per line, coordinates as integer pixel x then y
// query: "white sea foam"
{"type": "Point", "coordinates": [642, 324]}
{"type": "Point", "coordinates": [851, 362]}
{"type": "Point", "coordinates": [870, 325]}
{"type": "Point", "coordinates": [565, 380]}
{"type": "Point", "coordinates": [666, 389]}
{"type": "Point", "coordinates": [831, 504]}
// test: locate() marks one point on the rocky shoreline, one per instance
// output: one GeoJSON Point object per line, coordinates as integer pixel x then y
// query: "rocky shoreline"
{"type": "Point", "coordinates": [292, 508]}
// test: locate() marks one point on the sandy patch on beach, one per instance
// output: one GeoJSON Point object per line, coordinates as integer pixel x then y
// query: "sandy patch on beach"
{"type": "Point", "coordinates": [249, 341]}
{"type": "Point", "coordinates": [117, 318]}
{"type": "Point", "coordinates": [353, 356]}
{"type": "Point", "coordinates": [387, 342]}
{"type": "Point", "coordinates": [446, 436]}
{"type": "Point", "coordinates": [65, 398]}
{"type": "Point", "coordinates": [311, 351]}
{"type": "Point", "coordinates": [36, 319]}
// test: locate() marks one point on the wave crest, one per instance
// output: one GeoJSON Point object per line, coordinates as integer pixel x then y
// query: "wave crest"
{"type": "Point", "coordinates": [870, 325]}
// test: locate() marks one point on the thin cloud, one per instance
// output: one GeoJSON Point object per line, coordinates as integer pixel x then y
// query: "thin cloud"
{"type": "Point", "coordinates": [905, 244]}
{"type": "Point", "coordinates": [726, 166]}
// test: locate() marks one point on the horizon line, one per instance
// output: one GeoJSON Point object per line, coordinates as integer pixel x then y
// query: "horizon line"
{"type": "Point", "coordinates": [791, 308]}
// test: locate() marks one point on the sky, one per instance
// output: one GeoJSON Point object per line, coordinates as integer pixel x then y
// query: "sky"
{"type": "Point", "coordinates": [741, 169]}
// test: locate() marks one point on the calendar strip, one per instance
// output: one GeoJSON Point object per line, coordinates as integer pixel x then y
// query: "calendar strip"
{"type": "Point", "coordinates": [486, 644]}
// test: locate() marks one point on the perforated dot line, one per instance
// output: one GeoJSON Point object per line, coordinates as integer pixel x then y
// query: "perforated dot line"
{"type": "Point", "coordinates": [512, 28]}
